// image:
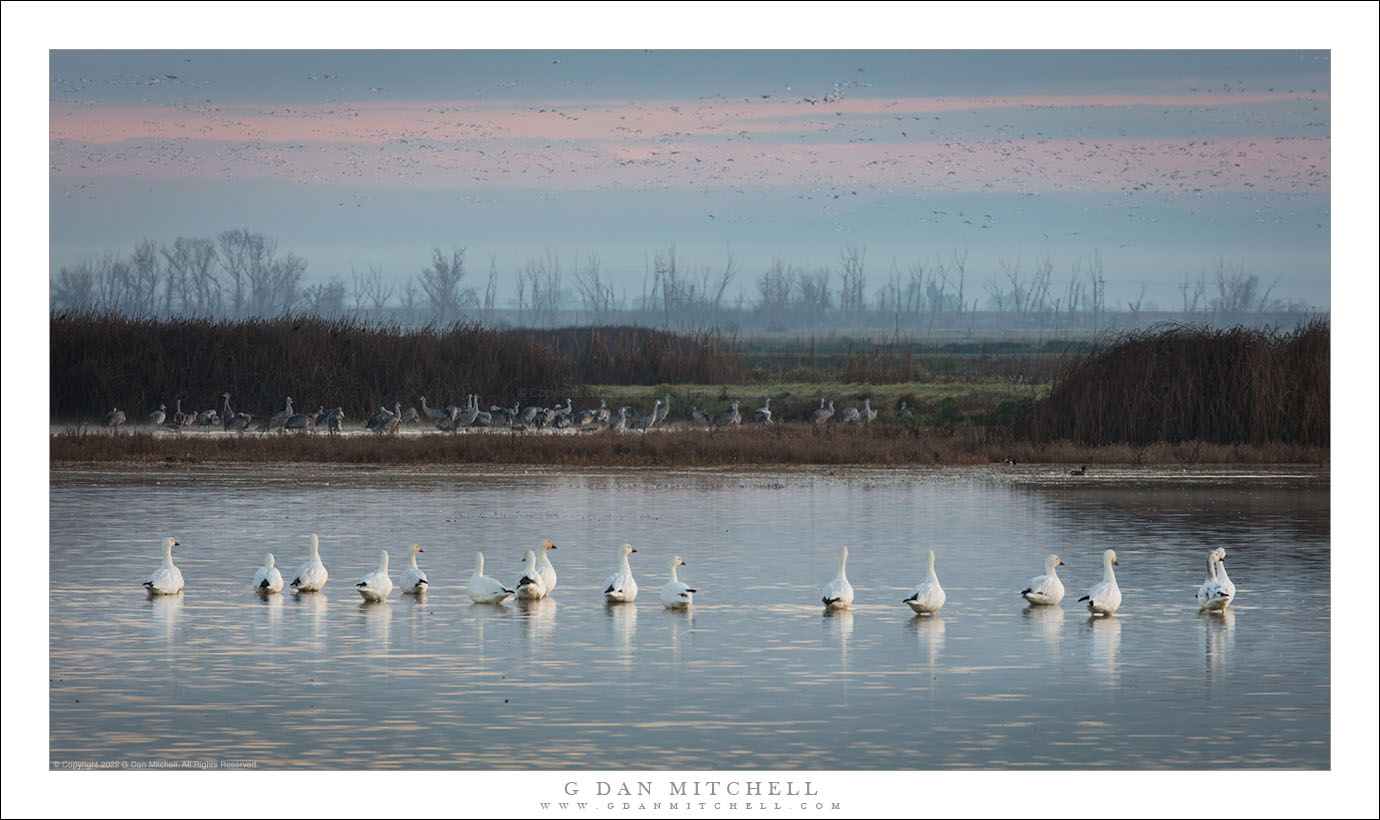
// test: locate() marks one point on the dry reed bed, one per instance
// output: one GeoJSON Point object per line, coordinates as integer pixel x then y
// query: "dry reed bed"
{"type": "Point", "coordinates": [782, 445]}
{"type": "Point", "coordinates": [98, 362]}
{"type": "Point", "coordinates": [1176, 383]}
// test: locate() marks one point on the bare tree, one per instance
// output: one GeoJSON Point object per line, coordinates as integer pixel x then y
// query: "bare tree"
{"type": "Point", "coordinates": [1236, 289]}
{"type": "Point", "coordinates": [440, 283]}
{"type": "Point", "coordinates": [725, 277]}
{"type": "Point", "coordinates": [774, 289]}
{"type": "Point", "coordinates": [145, 277]}
{"type": "Point", "coordinates": [960, 267]}
{"type": "Point", "coordinates": [265, 284]}
{"type": "Point", "coordinates": [1134, 307]}
{"type": "Point", "coordinates": [409, 298]}
{"type": "Point", "coordinates": [1094, 300]}
{"type": "Point", "coordinates": [191, 263]}
{"type": "Point", "coordinates": [1194, 293]}
{"type": "Point", "coordinates": [325, 299]}
{"type": "Point", "coordinates": [238, 247]}
{"type": "Point", "coordinates": [491, 291]}
{"type": "Point", "coordinates": [997, 295]}
{"type": "Point", "coordinates": [539, 284]}
{"type": "Point", "coordinates": [851, 294]}
{"type": "Point", "coordinates": [812, 295]}
{"type": "Point", "coordinates": [595, 292]}
{"type": "Point", "coordinates": [1037, 295]}
{"type": "Point", "coordinates": [75, 287]}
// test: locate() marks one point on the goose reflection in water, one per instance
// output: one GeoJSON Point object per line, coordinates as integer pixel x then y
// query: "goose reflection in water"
{"type": "Point", "coordinates": [485, 616]}
{"type": "Point", "coordinates": [377, 617]}
{"type": "Point", "coordinates": [1106, 646]}
{"type": "Point", "coordinates": [928, 631]}
{"type": "Point", "coordinates": [622, 621]}
{"type": "Point", "coordinates": [838, 625]}
{"type": "Point", "coordinates": [313, 604]}
{"type": "Point", "coordinates": [538, 617]}
{"type": "Point", "coordinates": [682, 622]}
{"type": "Point", "coordinates": [1219, 638]}
{"type": "Point", "coordinates": [273, 615]}
{"type": "Point", "coordinates": [166, 610]}
{"type": "Point", "coordinates": [1047, 622]}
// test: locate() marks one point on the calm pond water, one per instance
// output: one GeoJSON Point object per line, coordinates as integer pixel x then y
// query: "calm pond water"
{"type": "Point", "coordinates": [755, 676]}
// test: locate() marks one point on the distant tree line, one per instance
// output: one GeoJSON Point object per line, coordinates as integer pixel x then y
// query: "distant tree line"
{"type": "Point", "coordinates": [242, 274]}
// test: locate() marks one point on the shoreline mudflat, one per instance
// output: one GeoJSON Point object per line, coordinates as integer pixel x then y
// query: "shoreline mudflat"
{"type": "Point", "coordinates": [678, 445]}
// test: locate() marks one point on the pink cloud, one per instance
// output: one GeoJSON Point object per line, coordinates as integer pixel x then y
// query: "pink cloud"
{"type": "Point", "coordinates": [566, 120]}
{"type": "Point", "coordinates": [688, 143]}
{"type": "Point", "coordinates": [1176, 166]}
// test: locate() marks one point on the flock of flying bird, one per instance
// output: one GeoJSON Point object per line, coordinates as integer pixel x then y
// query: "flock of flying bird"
{"type": "Point", "coordinates": [538, 578]}
{"type": "Point", "coordinates": [453, 417]}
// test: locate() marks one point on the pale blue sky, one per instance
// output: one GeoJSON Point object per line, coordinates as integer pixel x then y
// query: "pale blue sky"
{"type": "Point", "coordinates": [796, 154]}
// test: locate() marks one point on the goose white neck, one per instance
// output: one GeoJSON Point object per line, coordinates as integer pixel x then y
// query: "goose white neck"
{"type": "Point", "coordinates": [412, 559]}
{"type": "Point", "coordinates": [383, 561]}
{"type": "Point", "coordinates": [167, 552]}
{"type": "Point", "coordinates": [674, 563]}
{"type": "Point", "coordinates": [1107, 573]}
{"type": "Point", "coordinates": [268, 560]}
{"type": "Point", "coordinates": [1212, 566]}
{"type": "Point", "coordinates": [932, 577]}
{"type": "Point", "coordinates": [315, 547]}
{"type": "Point", "coordinates": [843, 560]}
{"type": "Point", "coordinates": [478, 564]}
{"type": "Point", "coordinates": [1051, 565]}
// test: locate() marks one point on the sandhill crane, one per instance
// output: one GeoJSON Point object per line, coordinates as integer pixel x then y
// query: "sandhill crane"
{"type": "Point", "coordinates": [729, 417]}
{"type": "Point", "coordinates": [180, 418]}
{"type": "Point", "coordinates": [906, 411]}
{"type": "Point", "coordinates": [320, 417]}
{"type": "Point", "coordinates": [300, 421]}
{"type": "Point", "coordinates": [868, 415]}
{"type": "Point", "coordinates": [644, 422]}
{"type": "Point", "coordinates": [603, 415]}
{"type": "Point", "coordinates": [823, 414]}
{"type": "Point", "coordinates": [207, 419]}
{"type": "Point", "coordinates": [621, 423]}
{"type": "Point", "coordinates": [380, 421]}
{"type": "Point", "coordinates": [849, 414]}
{"type": "Point", "coordinates": [481, 418]}
{"type": "Point", "coordinates": [503, 416]}
{"type": "Point", "coordinates": [466, 416]}
{"type": "Point", "coordinates": [278, 419]}
{"type": "Point", "coordinates": [664, 411]}
{"type": "Point", "coordinates": [410, 416]}
{"type": "Point", "coordinates": [114, 418]}
{"type": "Point", "coordinates": [436, 414]}
{"type": "Point", "coordinates": [335, 419]}
{"type": "Point", "coordinates": [762, 415]}
{"type": "Point", "coordinates": [157, 416]}
{"type": "Point", "coordinates": [560, 416]}
{"type": "Point", "coordinates": [696, 414]}
{"type": "Point", "coordinates": [230, 420]}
